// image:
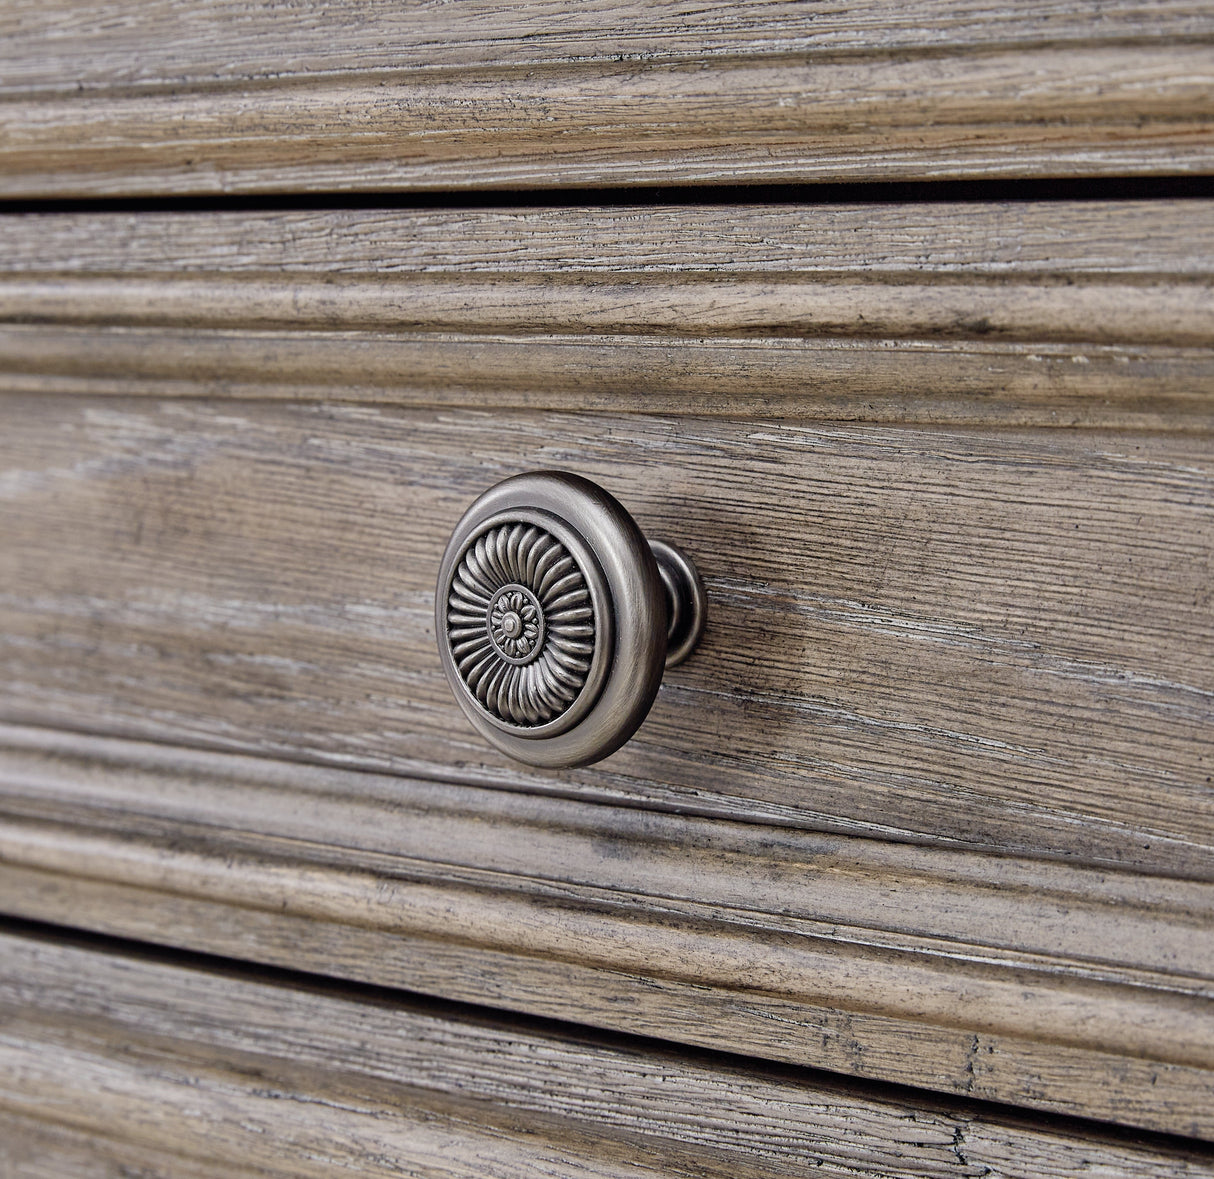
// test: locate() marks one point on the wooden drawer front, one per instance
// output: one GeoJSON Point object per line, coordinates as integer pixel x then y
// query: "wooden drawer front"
{"type": "Point", "coordinates": [223, 96]}
{"type": "Point", "coordinates": [998, 640]}
{"type": "Point", "coordinates": [930, 804]}
{"type": "Point", "coordinates": [943, 619]}
{"type": "Point", "coordinates": [115, 1064]}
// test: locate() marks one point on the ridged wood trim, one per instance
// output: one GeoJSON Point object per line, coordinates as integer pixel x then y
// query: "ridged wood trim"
{"type": "Point", "coordinates": [225, 99]}
{"type": "Point", "coordinates": [1017, 981]}
{"type": "Point", "coordinates": [1102, 312]}
{"type": "Point", "coordinates": [61, 45]}
{"type": "Point", "coordinates": [915, 382]}
{"type": "Point", "coordinates": [1069, 314]}
{"type": "Point", "coordinates": [123, 1059]}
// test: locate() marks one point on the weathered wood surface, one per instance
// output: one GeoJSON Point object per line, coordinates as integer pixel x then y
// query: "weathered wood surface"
{"type": "Point", "coordinates": [1092, 313]}
{"type": "Point", "coordinates": [61, 45]}
{"type": "Point", "coordinates": [1003, 640]}
{"type": "Point", "coordinates": [34, 1149]}
{"type": "Point", "coordinates": [1066, 241]}
{"type": "Point", "coordinates": [963, 640]}
{"type": "Point", "coordinates": [155, 97]}
{"type": "Point", "coordinates": [193, 1071]}
{"type": "Point", "coordinates": [1026, 982]}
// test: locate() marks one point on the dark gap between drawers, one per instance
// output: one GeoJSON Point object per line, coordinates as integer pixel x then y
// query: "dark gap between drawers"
{"type": "Point", "coordinates": [824, 1084]}
{"type": "Point", "coordinates": [898, 192]}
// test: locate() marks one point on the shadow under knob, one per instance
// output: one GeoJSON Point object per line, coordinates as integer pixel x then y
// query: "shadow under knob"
{"type": "Point", "coordinates": [555, 618]}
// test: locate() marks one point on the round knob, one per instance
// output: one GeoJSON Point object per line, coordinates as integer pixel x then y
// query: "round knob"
{"type": "Point", "coordinates": [555, 618]}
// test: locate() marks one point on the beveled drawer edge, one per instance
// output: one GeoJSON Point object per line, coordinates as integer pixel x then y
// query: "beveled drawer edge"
{"type": "Point", "coordinates": [1030, 982]}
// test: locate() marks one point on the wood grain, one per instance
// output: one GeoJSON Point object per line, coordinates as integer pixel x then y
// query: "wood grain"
{"type": "Point", "coordinates": [1064, 240]}
{"type": "Point", "coordinates": [61, 45]}
{"type": "Point", "coordinates": [1001, 640]}
{"type": "Point", "coordinates": [957, 640]}
{"type": "Point", "coordinates": [1050, 314]}
{"type": "Point", "coordinates": [34, 1149]}
{"type": "Point", "coordinates": [1064, 989]}
{"type": "Point", "coordinates": [133, 1059]}
{"type": "Point", "coordinates": [165, 97]}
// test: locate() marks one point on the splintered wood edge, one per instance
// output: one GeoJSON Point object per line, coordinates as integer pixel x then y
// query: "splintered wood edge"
{"type": "Point", "coordinates": [1027, 982]}
{"type": "Point", "coordinates": [102, 1038]}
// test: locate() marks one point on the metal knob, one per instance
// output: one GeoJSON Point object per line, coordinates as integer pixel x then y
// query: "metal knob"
{"type": "Point", "coordinates": [555, 618]}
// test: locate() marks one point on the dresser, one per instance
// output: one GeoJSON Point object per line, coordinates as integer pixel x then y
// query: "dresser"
{"type": "Point", "coordinates": [896, 321]}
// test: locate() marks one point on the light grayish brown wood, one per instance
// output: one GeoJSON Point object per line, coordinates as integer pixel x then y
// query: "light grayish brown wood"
{"type": "Point", "coordinates": [1072, 990]}
{"type": "Point", "coordinates": [1060, 241]}
{"type": "Point", "coordinates": [62, 45]}
{"type": "Point", "coordinates": [974, 639]}
{"type": "Point", "coordinates": [1000, 640]}
{"type": "Point", "coordinates": [33, 1149]}
{"type": "Point", "coordinates": [961, 383]}
{"type": "Point", "coordinates": [138, 97]}
{"type": "Point", "coordinates": [1077, 313]}
{"type": "Point", "coordinates": [245, 1072]}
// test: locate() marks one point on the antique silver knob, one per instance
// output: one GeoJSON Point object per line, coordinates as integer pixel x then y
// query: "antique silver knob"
{"type": "Point", "coordinates": [555, 618]}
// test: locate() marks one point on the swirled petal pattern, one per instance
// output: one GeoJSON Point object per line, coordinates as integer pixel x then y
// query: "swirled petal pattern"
{"type": "Point", "coordinates": [521, 624]}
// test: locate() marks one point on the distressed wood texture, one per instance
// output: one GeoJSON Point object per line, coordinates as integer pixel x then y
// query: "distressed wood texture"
{"type": "Point", "coordinates": [1072, 990]}
{"type": "Point", "coordinates": [161, 96]}
{"type": "Point", "coordinates": [183, 1069]}
{"type": "Point", "coordinates": [1002, 640]}
{"type": "Point", "coordinates": [1091, 313]}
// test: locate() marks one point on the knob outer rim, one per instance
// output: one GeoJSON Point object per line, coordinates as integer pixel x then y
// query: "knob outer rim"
{"type": "Point", "coordinates": [637, 621]}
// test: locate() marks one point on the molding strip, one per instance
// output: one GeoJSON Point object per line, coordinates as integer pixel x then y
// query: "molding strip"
{"type": "Point", "coordinates": [186, 1068]}
{"type": "Point", "coordinates": [1025, 314]}
{"type": "Point", "coordinates": [1065, 989]}
{"type": "Point", "coordinates": [787, 104]}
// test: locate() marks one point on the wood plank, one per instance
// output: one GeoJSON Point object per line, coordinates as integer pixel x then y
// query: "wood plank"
{"type": "Point", "coordinates": [236, 1070]}
{"type": "Point", "coordinates": [1065, 241]}
{"type": "Point", "coordinates": [165, 97]}
{"type": "Point", "coordinates": [1049, 314]}
{"type": "Point", "coordinates": [1001, 640]}
{"type": "Point", "coordinates": [1027, 982]}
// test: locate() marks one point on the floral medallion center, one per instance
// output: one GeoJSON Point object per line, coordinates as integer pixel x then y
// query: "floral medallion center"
{"type": "Point", "coordinates": [516, 624]}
